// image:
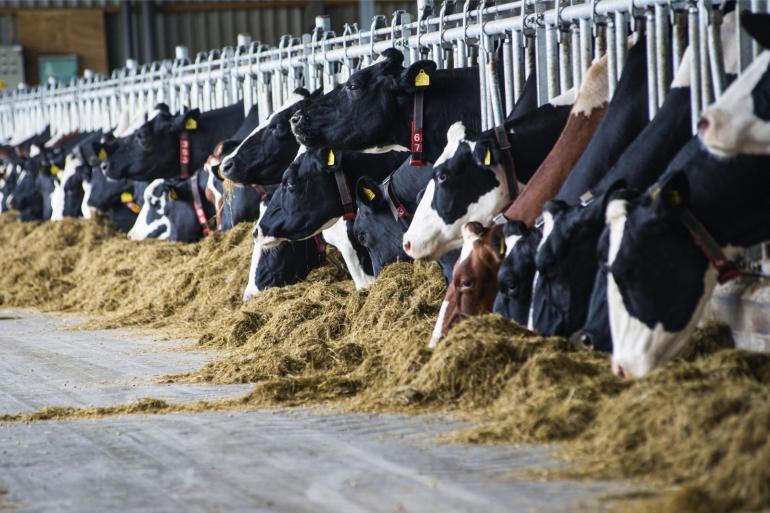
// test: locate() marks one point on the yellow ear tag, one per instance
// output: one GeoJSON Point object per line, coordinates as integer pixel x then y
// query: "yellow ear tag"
{"type": "Point", "coordinates": [370, 195]}
{"type": "Point", "coordinates": [488, 158]}
{"type": "Point", "coordinates": [330, 158]}
{"type": "Point", "coordinates": [190, 124]}
{"type": "Point", "coordinates": [171, 194]}
{"type": "Point", "coordinates": [502, 246]}
{"type": "Point", "coordinates": [55, 169]}
{"type": "Point", "coordinates": [125, 197]}
{"type": "Point", "coordinates": [102, 154]}
{"type": "Point", "coordinates": [422, 79]}
{"type": "Point", "coordinates": [674, 198]}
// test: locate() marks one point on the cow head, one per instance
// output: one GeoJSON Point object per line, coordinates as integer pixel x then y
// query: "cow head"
{"type": "Point", "coordinates": [307, 202]}
{"type": "Point", "coordinates": [739, 122]}
{"type": "Point", "coordinates": [517, 271]}
{"type": "Point", "coordinates": [372, 108]}
{"type": "Point", "coordinates": [658, 281]}
{"type": "Point", "coordinates": [466, 186]}
{"type": "Point", "coordinates": [67, 196]}
{"type": "Point", "coordinates": [152, 150]}
{"type": "Point", "coordinates": [474, 279]}
{"type": "Point", "coordinates": [264, 154]}
{"type": "Point", "coordinates": [153, 220]}
{"type": "Point", "coordinates": [375, 227]}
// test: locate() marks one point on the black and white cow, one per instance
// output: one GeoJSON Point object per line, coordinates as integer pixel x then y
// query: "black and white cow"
{"type": "Point", "coordinates": [469, 179]}
{"type": "Point", "coordinates": [563, 285]}
{"type": "Point", "coordinates": [569, 253]}
{"type": "Point", "coordinates": [311, 200]}
{"type": "Point", "coordinates": [374, 108]}
{"type": "Point", "coordinates": [287, 263]}
{"type": "Point", "coordinates": [659, 278]}
{"type": "Point", "coordinates": [118, 200]}
{"type": "Point", "coordinates": [515, 277]}
{"type": "Point", "coordinates": [69, 186]}
{"type": "Point", "coordinates": [26, 198]}
{"type": "Point", "coordinates": [153, 150]}
{"type": "Point", "coordinates": [169, 211]}
{"type": "Point", "coordinates": [261, 156]}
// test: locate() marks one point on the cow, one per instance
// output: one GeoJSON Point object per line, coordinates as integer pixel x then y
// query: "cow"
{"type": "Point", "coordinates": [262, 155]}
{"type": "Point", "coordinates": [315, 193]}
{"type": "Point", "coordinates": [234, 204]}
{"type": "Point", "coordinates": [69, 189]}
{"type": "Point", "coordinates": [373, 109]}
{"type": "Point", "coordinates": [285, 264]}
{"type": "Point", "coordinates": [166, 144]}
{"type": "Point", "coordinates": [517, 271]}
{"type": "Point", "coordinates": [26, 197]}
{"type": "Point", "coordinates": [670, 246]}
{"type": "Point", "coordinates": [470, 181]}
{"type": "Point", "coordinates": [572, 243]}
{"type": "Point", "coordinates": [473, 287]}
{"type": "Point", "coordinates": [175, 210]}
{"type": "Point", "coordinates": [118, 200]}
{"type": "Point", "coordinates": [557, 307]}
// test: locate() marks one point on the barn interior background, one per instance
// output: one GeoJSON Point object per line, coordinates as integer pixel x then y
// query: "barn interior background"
{"type": "Point", "coordinates": [210, 54]}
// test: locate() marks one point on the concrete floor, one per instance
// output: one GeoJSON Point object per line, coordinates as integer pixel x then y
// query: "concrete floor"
{"type": "Point", "coordinates": [267, 460]}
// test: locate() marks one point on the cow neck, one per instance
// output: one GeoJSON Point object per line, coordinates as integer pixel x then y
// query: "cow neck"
{"type": "Point", "coordinates": [705, 242]}
{"type": "Point", "coordinates": [200, 213]}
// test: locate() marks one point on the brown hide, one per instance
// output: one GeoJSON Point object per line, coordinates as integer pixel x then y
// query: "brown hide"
{"type": "Point", "coordinates": [474, 279]}
{"type": "Point", "coordinates": [552, 173]}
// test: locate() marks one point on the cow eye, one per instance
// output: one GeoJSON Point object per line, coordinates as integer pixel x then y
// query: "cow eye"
{"type": "Point", "coordinates": [466, 284]}
{"type": "Point", "coordinates": [290, 184]}
{"type": "Point", "coordinates": [353, 86]}
{"type": "Point", "coordinates": [441, 177]}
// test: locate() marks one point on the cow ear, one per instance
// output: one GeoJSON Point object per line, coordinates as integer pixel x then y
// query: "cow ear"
{"type": "Point", "coordinates": [554, 207]}
{"type": "Point", "coordinates": [368, 192]}
{"type": "Point", "coordinates": [393, 60]}
{"type": "Point", "coordinates": [615, 191]}
{"type": "Point", "coordinates": [301, 91]}
{"type": "Point", "coordinates": [417, 75]}
{"type": "Point", "coordinates": [516, 228]}
{"type": "Point", "coordinates": [486, 153]}
{"type": "Point", "coordinates": [671, 196]}
{"type": "Point", "coordinates": [758, 27]}
{"type": "Point", "coordinates": [187, 121]}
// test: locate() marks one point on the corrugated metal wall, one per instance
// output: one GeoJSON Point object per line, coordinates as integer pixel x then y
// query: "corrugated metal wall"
{"type": "Point", "coordinates": [205, 29]}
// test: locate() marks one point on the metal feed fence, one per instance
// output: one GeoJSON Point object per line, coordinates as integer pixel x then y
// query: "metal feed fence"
{"type": "Point", "coordinates": [557, 40]}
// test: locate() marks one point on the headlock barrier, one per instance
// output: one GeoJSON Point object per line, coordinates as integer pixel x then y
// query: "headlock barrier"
{"type": "Point", "coordinates": [555, 39]}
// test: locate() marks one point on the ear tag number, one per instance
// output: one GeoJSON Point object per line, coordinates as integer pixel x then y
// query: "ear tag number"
{"type": "Point", "coordinates": [370, 195]}
{"type": "Point", "coordinates": [330, 159]}
{"type": "Point", "coordinates": [422, 79]}
{"type": "Point", "coordinates": [488, 158]}
{"type": "Point", "coordinates": [191, 124]}
{"type": "Point", "coordinates": [102, 154]}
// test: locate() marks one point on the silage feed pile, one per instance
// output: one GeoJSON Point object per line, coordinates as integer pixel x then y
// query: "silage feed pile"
{"type": "Point", "coordinates": [698, 428]}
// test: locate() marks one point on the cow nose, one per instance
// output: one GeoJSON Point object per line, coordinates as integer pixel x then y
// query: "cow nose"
{"type": "Point", "coordinates": [703, 124]}
{"type": "Point", "coordinates": [296, 118]}
{"type": "Point", "coordinates": [407, 246]}
{"type": "Point", "coordinates": [512, 291]}
{"type": "Point", "coordinates": [105, 166]}
{"type": "Point", "coordinates": [620, 371]}
{"type": "Point", "coordinates": [227, 166]}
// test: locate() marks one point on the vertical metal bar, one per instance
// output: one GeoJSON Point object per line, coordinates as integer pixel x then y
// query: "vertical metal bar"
{"type": "Point", "coordinates": [518, 64]}
{"type": "Point", "coordinates": [148, 27]}
{"type": "Point", "coordinates": [529, 55]}
{"type": "Point", "coordinates": [662, 51]}
{"type": "Point", "coordinates": [612, 59]}
{"type": "Point", "coordinates": [552, 61]}
{"type": "Point", "coordinates": [565, 61]}
{"type": "Point", "coordinates": [577, 76]}
{"type": "Point", "coordinates": [716, 58]}
{"type": "Point", "coordinates": [128, 33]}
{"type": "Point", "coordinates": [705, 70]}
{"type": "Point", "coordinates": [508, 73]}
{"type": "Point", "coordinates": [679, 42]}
{"type": "Point", "coordinates": [652, 68]}
{"type": "Point", "coordinates": [695, 75]}
{"type": "Point", "coordinates": [621, 41]}
{"type": "Point", "coordinates": [757, 6]}
{"type": "Point", "coordinates": [600, 40]}
{"type": "Point", "coordinates": [586, 52]}
{"type": "Point", "coordinates": [744, 42]}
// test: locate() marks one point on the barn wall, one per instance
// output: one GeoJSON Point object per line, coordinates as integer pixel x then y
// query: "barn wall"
{"type": "Point", "coordinates": [62, 31]}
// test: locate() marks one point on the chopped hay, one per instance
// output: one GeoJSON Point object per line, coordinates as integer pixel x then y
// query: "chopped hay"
{"type": "Point", "coordinates": [700, 423]}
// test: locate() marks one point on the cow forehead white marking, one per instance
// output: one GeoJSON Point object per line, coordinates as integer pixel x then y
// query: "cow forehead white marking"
{"type": "Point", "coordinates": [510, 242]}
{"type": "Point", "coordinates": [469, 238]}
{"type": "Point", "coordinates": [454, 136]}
